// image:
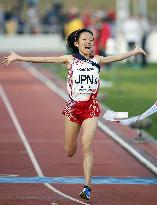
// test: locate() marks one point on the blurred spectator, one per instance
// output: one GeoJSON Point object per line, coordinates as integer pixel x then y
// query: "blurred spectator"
{"type": "Point", "coordinates": [74, 22]}
{"type": "Point", "coordinates": [86, 18]}
{"type": "Point", "coordinates": [21, 25]}
{"type": "Point", "coordinates": [54, 17]}
{"type": "Point", "coordinates": [95, 28]}
{"type": "Point", "coordinates": [33, 19]}
{"type": "Point", "coordinates": [17, 12]}
{"type": "Point", "coordinates": [11, 27]}
{"type": "Point", "coordinates": [112, 21]}
{"type": "Point", "coordinates": [103, 27]}
{"type": "Point", "coordinates": [132, 33]}
{"type": "Point", "coordinates": [104, 35]}
{"type": "Point", "coordinates": [11, 24]}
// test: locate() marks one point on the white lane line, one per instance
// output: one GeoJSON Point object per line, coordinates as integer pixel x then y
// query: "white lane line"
{"type": "Point", "coordinates": [28, 147]}
{"type": "Point", "coordinates": [102, 126]}
{"type": "Point", "coordinates": [9, 175]}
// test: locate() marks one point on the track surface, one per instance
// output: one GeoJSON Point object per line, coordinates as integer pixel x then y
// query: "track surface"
{"type": "Point", "coordinates": [38, 111]}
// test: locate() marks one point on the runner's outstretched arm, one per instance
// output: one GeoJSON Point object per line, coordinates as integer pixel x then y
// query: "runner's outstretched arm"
{"type": "Point", "coordinates": [13, 57]}
{"type": "Point", "coordinates": [110, 59]}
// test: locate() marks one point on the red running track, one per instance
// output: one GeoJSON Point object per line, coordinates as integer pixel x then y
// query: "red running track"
{"type": "Point", "coordinates": [38, 111]}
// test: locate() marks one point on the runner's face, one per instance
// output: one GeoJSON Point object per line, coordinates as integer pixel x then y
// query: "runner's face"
{"type": "Point", "coordinates": [85, 44]}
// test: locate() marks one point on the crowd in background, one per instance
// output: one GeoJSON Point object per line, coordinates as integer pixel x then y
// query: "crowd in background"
{"type": "Point", "coordinates": [59, 20]}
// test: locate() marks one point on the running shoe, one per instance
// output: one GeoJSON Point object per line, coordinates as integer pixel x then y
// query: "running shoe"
{"type": "Point", "coordinates": [85, 194]}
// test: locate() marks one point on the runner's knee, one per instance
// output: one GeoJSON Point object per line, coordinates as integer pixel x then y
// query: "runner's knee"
{"type": "Point", "coordinates": [70, 152]}
{"type": "Point", "coordinates": [87, 149]}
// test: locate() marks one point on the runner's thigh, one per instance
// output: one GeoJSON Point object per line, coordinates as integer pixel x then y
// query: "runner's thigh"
{"type": "Point", "coordinates": [89, 129]}
{"type": "Point", "coordinates": [71, 132]}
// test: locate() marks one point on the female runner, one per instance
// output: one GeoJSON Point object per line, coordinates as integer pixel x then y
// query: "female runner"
{"type": "Point", "coordinates": [82, 108]}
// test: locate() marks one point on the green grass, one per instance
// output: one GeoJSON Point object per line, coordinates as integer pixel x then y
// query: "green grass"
{"type": "Point", "coordinates": [133, 90]}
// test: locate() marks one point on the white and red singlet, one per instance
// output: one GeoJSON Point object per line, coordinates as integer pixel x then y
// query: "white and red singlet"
{"type": "Point", "coordinates": [82, 85]}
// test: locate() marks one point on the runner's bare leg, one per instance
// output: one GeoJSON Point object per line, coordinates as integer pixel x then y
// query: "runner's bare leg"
{"type": "Point", "coordinates": [71, 133]}
{"type": "Point", "coordinates": [89, 129]}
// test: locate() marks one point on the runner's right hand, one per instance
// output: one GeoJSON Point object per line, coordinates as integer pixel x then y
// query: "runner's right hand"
{"type": "Point", "coordinates": [12, 57]}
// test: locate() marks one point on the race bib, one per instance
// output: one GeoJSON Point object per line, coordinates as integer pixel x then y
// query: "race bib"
{"type": "Point", "coordinates": [85, 81]}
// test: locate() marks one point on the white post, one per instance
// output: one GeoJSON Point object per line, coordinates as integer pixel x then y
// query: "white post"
{"type": "Point", "coordinates": [123, 12]}
{"type": "Point", "coordinates": [143, 7]}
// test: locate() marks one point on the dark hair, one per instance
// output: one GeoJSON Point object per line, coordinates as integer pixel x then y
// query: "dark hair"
{"type": "Point", "coordinates": [74, 36]}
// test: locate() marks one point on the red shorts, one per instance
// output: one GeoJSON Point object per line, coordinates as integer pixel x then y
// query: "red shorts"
{"type": "Point", "coordinates": [78, 111]}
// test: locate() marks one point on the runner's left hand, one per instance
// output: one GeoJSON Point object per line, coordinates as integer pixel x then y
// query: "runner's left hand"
{"type": "Point", "coordinates": [140, 51]}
